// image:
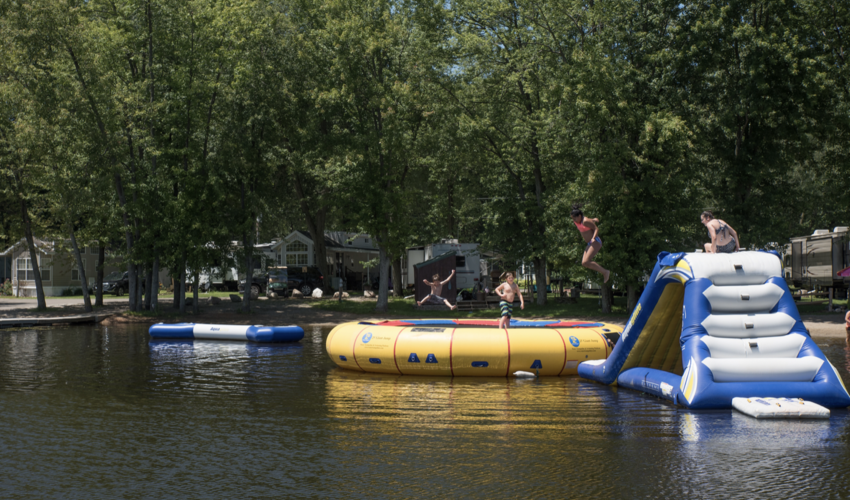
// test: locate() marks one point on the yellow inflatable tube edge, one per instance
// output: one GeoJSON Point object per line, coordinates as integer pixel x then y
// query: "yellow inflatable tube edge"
{"type": "Point", "coordinates": [466, 351]}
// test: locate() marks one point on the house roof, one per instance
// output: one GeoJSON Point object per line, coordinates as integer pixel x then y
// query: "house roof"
{"type": "Point", "coordinates": [332, 243]}
{"type": "Point", "coordinates": [450, 253]}
{"type": "Point", "coordinates": [42, 245]}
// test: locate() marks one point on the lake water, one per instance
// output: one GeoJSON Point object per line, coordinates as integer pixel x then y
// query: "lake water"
{"type": "Point", "coordinates": [103, 412]}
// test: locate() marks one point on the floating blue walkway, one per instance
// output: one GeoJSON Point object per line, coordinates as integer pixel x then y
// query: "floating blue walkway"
{"type": "Point", "coordinates": [249, 333]}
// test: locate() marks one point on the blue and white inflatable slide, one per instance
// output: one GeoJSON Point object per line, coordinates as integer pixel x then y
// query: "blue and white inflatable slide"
{"type": "Point", "coordinates": [712, 327]}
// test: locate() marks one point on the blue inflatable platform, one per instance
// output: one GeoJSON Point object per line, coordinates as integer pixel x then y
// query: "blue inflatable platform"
{"type": "Point", "coordinates": [712, 327]}
{"type": "Point", "coordinates": [250, 333]}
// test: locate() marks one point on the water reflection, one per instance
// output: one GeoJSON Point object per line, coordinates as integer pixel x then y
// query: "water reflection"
{"type": "Point", "coordinates": [112, 414]}
{"type": "Point", "coordinates": [210, 366]}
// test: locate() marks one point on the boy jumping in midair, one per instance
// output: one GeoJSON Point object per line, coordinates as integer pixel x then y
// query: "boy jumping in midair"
{"type": "Point", "coordinates": [507, 291]}
{"type": "Point", "coordinates": [436, 288]}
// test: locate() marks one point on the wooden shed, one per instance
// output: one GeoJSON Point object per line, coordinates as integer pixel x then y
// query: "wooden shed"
{"type": "Point", "coordinates": [443, 265]}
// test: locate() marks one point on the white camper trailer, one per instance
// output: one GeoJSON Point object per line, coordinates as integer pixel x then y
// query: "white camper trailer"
{"type": "Point", "coordinates": [813, 261]}
{"type": "Point", "coordinates": [467, 260]}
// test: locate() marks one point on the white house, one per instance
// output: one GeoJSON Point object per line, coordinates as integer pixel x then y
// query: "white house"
{"type": "Point", "coordinates": [349, 252]}
{"type": "Point", "coordinates": [58, 269]}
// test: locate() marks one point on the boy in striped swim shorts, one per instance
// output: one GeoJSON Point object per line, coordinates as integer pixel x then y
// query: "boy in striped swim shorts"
{"type": "Point", "coordinates": [507, 291]}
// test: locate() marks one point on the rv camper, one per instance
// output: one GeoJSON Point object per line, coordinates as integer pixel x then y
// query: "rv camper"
{"type": "Point", "coordinates": [813, 261]}
{"type": "Point", "coordinates": [467, 260]}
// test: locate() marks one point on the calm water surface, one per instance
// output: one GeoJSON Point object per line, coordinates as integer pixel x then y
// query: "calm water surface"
{"type": "Point", "coordinates": [103, 412]}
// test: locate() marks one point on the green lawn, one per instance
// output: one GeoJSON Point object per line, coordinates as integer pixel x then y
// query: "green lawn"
{"type": "Point", "coordinates": [805, 308]}
{"type": "Point", "coordinates": [162, 295]}
{"type": "Point", "coordinates": [587, 306]}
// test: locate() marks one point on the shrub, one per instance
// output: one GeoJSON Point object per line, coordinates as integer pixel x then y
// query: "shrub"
{"type": "Point", "coordinates": [6, 287]}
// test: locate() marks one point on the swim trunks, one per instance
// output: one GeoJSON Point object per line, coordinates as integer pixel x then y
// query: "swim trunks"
{"type": "Point", "coordinates": [727, 248]}
{"type": "Point", "coordinates": [595, 239]}
{"type": "Point", "coordinates": [507, 308]}
{"type": "Point", "coordinates": [433, 298]}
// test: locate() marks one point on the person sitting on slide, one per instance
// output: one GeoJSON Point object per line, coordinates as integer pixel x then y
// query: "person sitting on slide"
{"type": "Point", "coordinates": [724, 239]}
{"type": "Point", "coordinates": [436, 289]}
{"type": "Point", "coordinates": [590, 233]}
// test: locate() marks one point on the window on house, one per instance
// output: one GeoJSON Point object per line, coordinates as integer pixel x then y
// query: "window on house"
{"type": "Point", "coordinates": [26, 272]}
{"type": "Point", "coordinates": [296, 254]}
{"type": "Point", "coordinates": [24, 267]}
{"type": "Point", "coordinates": [296, 259]}
{"type": "Point", "coordinates": [94, 250]}
{"type": "Point", "coordinates": [296, 246]}
{"type": "Point", "coordinates": [44, 267]}
{"type": "Point", "coordinates": [75, 272]}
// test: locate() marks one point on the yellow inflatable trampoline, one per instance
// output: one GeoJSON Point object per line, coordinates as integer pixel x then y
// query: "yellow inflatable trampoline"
{"type": "Point", "coordinates": [474, 348]}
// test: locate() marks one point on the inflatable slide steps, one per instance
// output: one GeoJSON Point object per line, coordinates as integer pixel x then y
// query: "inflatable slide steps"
{"type": "Point", "coordinates": [712, 327]}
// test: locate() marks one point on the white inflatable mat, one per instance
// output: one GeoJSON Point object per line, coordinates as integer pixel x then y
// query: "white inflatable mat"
{"type": "Point", "coordinates": [779, 408]}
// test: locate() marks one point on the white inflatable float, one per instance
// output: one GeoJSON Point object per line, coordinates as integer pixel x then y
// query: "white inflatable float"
{"type": "Point", "coordinates": [779, 408]}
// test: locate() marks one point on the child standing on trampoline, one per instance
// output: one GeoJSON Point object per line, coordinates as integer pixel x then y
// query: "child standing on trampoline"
{"type": "Point", "coordinates": [590, 233]}
{"type": "Point", "coordinates": [507, 291]}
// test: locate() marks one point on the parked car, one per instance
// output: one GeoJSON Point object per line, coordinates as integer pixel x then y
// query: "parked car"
{"type": "Point", "coordinates": [305, 282]}
{"type": "Point", "coordinates": [118, 282]}
{"type": "Point", "coordinates": [296, 279]}
{"type": "Point", "coordinates": [259, 283]}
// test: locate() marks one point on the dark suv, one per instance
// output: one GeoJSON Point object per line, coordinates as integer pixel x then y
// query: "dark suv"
{"type": "Point", "coordinates": [118, 282]}
{"type": "Point", "coordinates": [304, 281]}
{"type": "Point", "coordinates": [259, 283]}
{"type": "Point", "coordinates": [296, 279]}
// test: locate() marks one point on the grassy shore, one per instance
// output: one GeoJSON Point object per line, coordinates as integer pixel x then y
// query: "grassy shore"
{"type": "Point", "coordinates": [586, 306]}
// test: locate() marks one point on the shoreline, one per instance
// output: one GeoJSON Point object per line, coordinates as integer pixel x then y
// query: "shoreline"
{"type": "Point", "coordinates": [299, 311]}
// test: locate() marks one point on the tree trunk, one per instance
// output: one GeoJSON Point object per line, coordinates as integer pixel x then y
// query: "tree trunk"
{"type": "Point", "coordinates": [249, 271]}
{"type": "Point", "coordinates": [398, 291]}
{"type": "Point", "coordinates": [82, 270]}
{"type": "Point", "coordinates": [148, 289]}
{"type": "Point", "coordinates": [196, 282]}
{"type": "Point", "coordinates": [155, 288]}
{"type": "Point", "coordinates": [316, 227]}
{"type": "Point", "coordinates": [540, 265]}
{"type": "Point", "coordinates": [101, 257]}
{"type": "Point", "coordinates": [139, 287]}
{"type": "Point", "coordinates": [631, 291]}
{"type": "Point", "coordinates": [39, 289]}
{"type": "Point", "coordinates": [607, 296]}
{"type": "Point", "coordinates": [175, 279]}
{"type": "Point", "coordinates": [341, 279]}
{"type": "Point", "coordinates": [383, 289]}
{"type": "Point", "coordinates": [183, 284]}
{"type": "Point", "coordinates": [131, 286]}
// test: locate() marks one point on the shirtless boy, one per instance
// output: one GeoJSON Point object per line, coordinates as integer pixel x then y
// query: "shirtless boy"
{"type": "Point", "coordinates": [507, 291]}
{"type": "Point", "coordinates": [436, 289]}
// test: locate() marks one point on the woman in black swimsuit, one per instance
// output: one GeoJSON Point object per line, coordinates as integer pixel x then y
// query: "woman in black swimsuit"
{"type": "Point", "coordinates": [724, 239]}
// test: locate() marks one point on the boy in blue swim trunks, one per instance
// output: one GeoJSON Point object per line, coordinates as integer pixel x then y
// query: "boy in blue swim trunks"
{"type": "Point", "coordinates": [507, 291]}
